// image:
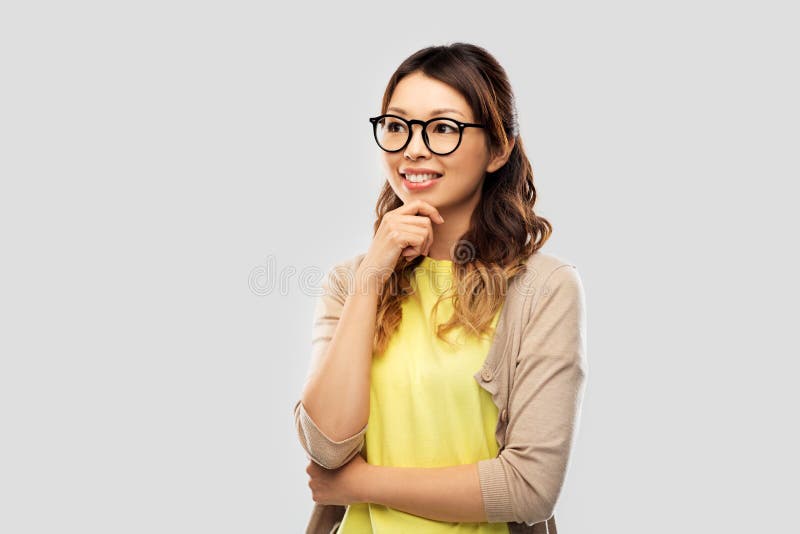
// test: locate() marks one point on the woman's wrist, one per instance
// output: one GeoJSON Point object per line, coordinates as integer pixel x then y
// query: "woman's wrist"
{"type": "Point", "coordinates": [366, 483]}
{"type": "Point", "coordinates": [369, 280]}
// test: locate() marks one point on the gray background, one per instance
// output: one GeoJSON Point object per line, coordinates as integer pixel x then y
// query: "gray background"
{"type": "Point", "coordinates": [166, 213]}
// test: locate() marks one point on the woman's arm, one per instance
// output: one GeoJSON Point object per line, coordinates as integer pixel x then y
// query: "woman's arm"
{"type": "Point", "coordinates": [332, 413]}
{"type": "Point", "coordinates": [523, 483]}
{"type": "Point", "coordinates": [451, 494]}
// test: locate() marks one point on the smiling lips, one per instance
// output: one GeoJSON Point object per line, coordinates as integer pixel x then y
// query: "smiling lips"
{"type": "Point", "coordinates": [416, 182]}
{"type": "Point", "coordinates": [419, 174]}
{"type": "Point", "coordinates": [421, 177]}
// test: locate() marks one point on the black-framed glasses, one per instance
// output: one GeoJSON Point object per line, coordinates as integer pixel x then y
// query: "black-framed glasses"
{"type": "Point", "coordinates": [441, 135]}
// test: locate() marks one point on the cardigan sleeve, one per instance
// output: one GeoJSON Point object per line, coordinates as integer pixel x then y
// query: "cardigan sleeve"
{"type": "Point", "coordinates": [319, 447]}
{"type": "Point", "coordinates": [524, 481]}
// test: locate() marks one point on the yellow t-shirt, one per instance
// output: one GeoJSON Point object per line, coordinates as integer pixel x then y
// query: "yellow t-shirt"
{"type": "Point", "coordinates": [426, 409]}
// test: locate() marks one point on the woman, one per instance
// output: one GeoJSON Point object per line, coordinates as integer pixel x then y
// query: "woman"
{"type": "Point", "coordinates": [420, 412]}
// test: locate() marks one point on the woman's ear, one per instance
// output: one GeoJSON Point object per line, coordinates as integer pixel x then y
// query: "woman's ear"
{"type": "Point", "coordinates": [500, 159]}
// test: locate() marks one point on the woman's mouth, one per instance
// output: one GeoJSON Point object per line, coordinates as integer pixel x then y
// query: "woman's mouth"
{"type": "Point", "coordinates": [415, 182]}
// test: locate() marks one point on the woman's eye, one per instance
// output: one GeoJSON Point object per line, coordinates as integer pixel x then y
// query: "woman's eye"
{"type": "Point", "coordinates": [444, 128]}
{"type": "Point", "coordinates": [395, 127]}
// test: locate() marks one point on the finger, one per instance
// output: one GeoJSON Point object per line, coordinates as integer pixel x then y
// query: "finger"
{"type": "Point", "coordinates": [420, 206]}
{"type": "Point", "coordinates": [419, 220]}
{"type": "Point", "coordinates": [413, 236]}
{"type": "Point", "coordinates": [427, 230]}
{"type": "Point", "coordinates": [413, 249]}
{"type": "Point", "coordinates": [410, 252]}
{"type": "Point", "coordinates": [422, 222]}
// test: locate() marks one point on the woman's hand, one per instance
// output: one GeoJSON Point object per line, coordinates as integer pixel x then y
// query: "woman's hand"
{"type": "Point", "coordinates": [406, 230]}
{"type": "Point", "coordinates": [342, 486]}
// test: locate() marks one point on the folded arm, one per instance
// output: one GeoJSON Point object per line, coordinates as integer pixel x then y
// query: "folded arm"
{"type": "Point", "coordinates": [524, 482]}
{"type": "Point", "coordinates": [451, 494]}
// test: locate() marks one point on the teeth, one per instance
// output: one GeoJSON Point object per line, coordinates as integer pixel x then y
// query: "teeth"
{"type": "Point", "coordinates": [420, 177]}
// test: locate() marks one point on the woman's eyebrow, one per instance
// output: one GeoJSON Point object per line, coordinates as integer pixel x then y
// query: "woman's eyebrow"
{"type": "Point", "coordinates": [433, 112]}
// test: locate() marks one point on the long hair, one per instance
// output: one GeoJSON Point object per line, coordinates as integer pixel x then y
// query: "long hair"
{"type": "Point", "coordinates": [504, 230]}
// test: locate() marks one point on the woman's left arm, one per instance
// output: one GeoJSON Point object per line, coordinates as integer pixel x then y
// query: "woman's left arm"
{"type": "Point", "coordinates": [451, 493]}
{"type": "Point", "coordinates": [524, 482]}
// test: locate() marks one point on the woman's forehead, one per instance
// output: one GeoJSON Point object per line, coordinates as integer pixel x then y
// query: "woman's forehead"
{"type": "Point", "coordinates": [420, 95]}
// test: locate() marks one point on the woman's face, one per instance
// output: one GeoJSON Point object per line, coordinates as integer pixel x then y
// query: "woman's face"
{"type": "Point", "coordinates": [418, 96]}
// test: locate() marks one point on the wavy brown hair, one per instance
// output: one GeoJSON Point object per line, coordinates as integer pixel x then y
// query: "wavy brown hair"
{"type": "Point", "coordinates": [504, 230]}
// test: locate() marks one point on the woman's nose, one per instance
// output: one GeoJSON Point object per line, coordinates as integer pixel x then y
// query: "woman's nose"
{"type": "Point", "coordinates": [416, 146]}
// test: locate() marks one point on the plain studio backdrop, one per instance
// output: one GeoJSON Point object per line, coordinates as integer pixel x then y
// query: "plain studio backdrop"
{"type": "Point", "coordinates": [178, 176]}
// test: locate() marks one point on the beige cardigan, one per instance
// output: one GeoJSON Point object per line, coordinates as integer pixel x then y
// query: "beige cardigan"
{"type": "Point", "coordinates": [535, 371]}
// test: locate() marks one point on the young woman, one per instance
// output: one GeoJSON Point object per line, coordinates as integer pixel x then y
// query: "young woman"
{"type": "Point", "coordinates": [408, 422]}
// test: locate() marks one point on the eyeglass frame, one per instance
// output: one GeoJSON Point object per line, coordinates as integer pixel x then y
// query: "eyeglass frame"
{"type": "Point", "coordinates": [411, 122]}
